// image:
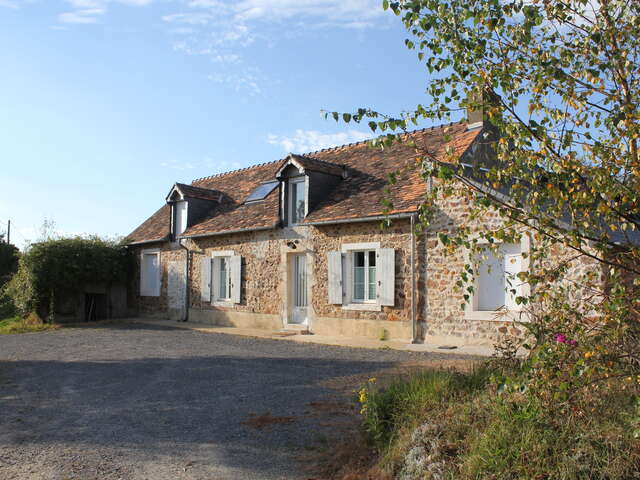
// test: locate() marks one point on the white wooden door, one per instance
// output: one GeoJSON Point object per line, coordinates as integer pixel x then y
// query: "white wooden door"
{"type": "Point", "coordinates": [299, 289]}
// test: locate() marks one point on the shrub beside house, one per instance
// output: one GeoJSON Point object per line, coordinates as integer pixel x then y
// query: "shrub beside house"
{"type": "Point", "coordinates": [71, 279]}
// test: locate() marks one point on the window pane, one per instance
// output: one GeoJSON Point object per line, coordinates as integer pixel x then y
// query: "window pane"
{"type": "Point", "coordinates": [358, 283]}
{"type": "Point", "coordinates": [261, 191]}
{"type": "Point", "coordinates": [372, 258]}
{"type": "Point", "coordinates": [359, 259]}
{"type": "Point", "coordinates": [223, 282]}
{"type": "Point", "coordinates": [297, 202]}
{"type": "Point", "coordinates": [372, 283]}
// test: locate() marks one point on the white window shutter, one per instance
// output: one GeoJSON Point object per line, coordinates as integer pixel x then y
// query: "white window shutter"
{"type": "Point", "coordinates": [334, 263]}
{"type": "Point", "coordinates": [512, 266]}
{"type": "Point", "coordinates": [235, 265]}
{"type": "Point", "coordinates": [386, 276]}
{"type": "Point", "coordinates": [205, 278]}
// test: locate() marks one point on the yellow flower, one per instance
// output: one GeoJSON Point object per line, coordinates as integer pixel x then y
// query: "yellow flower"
{"type": "Point", "coordinates": [588, 354]}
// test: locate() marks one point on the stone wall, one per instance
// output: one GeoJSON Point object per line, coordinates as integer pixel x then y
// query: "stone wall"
{"type": "Point", "coordinates": [263, 299]}
{"type": "Point", "coordinates": [445, 318]}
{"type": "Point", "coordinates": [157, 307]}
{"type": "Point", "coordinates": [264, 278]}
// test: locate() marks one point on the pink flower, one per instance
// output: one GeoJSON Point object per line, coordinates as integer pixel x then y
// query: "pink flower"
{"type": "Point", "coordinates": [560, 338]}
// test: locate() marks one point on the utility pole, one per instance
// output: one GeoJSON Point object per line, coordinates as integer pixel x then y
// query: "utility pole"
{"type": "Point", "coordinates": [8, 231]}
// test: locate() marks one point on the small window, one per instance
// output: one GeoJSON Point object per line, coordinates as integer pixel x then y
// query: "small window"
{"type": "Point", "coordinates": [150, 274]}
{"type": "Point", "coordinates": [497, 281]}
{"type": "Point", "coordinates": [261, 191]}
{"type": "Point", "coordinates": [296, 201]}
{"type": "Point", "coordinates": [222, 272]}
{"type": "Point", "coordinates": [181, 217]}
{"type": "Point", "coordinates": [364, 276]}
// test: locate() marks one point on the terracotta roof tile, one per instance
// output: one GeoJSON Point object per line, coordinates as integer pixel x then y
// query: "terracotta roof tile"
{"type": "Point", "coordinates": [156, 227]}
{"type": "Point", "coordinates": [359, 195]}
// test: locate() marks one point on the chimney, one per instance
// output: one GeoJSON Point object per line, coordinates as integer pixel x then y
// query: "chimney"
{"type": "Point", "coordinates": [475, 111]}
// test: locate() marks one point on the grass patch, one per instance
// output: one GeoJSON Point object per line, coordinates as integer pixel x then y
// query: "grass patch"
{"type": "Point", "coordinates": [454, 425]}
{"type": "Point", "coordinates": [17, 324]}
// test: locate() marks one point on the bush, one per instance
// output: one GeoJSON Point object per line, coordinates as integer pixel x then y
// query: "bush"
{"type": "Point", "coordinates": [9, 256]}
{"type": "Point", "coordinates": [7, 308]}
{"type": "Point", "coordinates": [52, 268]}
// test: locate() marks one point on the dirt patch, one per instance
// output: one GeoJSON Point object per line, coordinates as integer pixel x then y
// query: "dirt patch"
{"type": "Point", "coordinates": [265, 420]}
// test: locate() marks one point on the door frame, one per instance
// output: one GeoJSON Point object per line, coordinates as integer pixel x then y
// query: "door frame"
{"type": "Point", "coordinates": [290, 286]}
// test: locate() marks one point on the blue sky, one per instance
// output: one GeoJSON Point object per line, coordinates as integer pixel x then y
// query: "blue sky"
{"type": "Point", "coordinates": [107, 103]}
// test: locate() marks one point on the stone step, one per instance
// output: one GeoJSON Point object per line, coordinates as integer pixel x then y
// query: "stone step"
{"type": "Point", "coordinates": [290, 333]}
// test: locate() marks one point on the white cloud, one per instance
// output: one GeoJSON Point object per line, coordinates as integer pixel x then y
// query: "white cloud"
{"type": "Point", "coordinates": [88, 15]}
{"type": "Point", "coordinates": [89, 11]}
{"type": "Point", "coordinates": [336, 11]}
{"type": "Point", "coordinates": [248, 80]}
{"type": "Point", "coordinates": [15, 3]}
{"type": "Point", "coordinates": [220, 29]}
{"type": "Point", "coordinates": [200, 18]}
{"type": "Point", "coordinates": [312, 140]}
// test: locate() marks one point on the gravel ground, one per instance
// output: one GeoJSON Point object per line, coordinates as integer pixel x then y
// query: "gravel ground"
{"type": "Point", "coordinates": [134, 401]}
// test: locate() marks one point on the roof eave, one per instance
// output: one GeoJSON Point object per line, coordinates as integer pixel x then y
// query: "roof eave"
{"type": "Point", "coordinates": [229, 232]}
{"type": "Point", "coordinates": [372, 218]}
{"type": "Point", "coordinates": [142, 242]}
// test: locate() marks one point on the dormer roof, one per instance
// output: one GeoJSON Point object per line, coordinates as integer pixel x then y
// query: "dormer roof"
{"type": "Point", "coordinates": [191, 191]}
{"type": "Point", "coordinates": [305, 163]}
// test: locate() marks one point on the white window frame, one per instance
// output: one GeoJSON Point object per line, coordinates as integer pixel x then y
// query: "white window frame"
{"type": "Point", "coordinates": [349, 249]}
{"type": "Point", "coordinates": [503, 314]}
{"type": "Point", "coordinates": [293, 181]}
{"type": "Point", "coordinates": [156, 292]}
{"type": "Point", "coordinates": [367, 272]}
{"type": "Point", "coordinates": [215, 277]}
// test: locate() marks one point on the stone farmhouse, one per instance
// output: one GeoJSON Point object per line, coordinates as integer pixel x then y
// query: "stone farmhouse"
{"type": "Point", "coordinates": [297, 244]}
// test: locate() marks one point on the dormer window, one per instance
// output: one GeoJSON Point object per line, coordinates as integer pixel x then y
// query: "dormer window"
{"type": "Point", "coordinates": [296, 200]}
{"type": "Point", "coordinates": [180, 208]}
{"type": "Point", "coordinates": [188, 205]}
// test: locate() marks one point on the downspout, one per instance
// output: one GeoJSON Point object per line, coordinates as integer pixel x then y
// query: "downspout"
{"type": "Point", "coordinates": [186, 281]}
{"type": "Point", "coordinates": [414, 325]}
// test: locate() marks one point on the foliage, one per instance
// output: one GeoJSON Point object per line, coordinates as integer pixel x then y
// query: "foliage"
{"type": "Point", "coordinates": [9, 255]}
{"type": "Point", "coordinates": [18, 324]}
{"type": "Point", "coordinates": [51, 268]}
{"type": "Point", "coordinates": [7, 308]}
{"type": "Point", "coordinates": [557, 84]}
{"type": "Point", "coordinates": [441, 424]}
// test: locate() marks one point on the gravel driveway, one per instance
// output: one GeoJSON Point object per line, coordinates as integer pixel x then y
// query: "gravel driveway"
{"type": "Point", "coordinates": [136, 401]}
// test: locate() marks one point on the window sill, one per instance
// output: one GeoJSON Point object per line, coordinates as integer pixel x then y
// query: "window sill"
{"type": "Point", "coordinates": [153, 295]}
{"type": "Point", "coordinates": [496, 316]}
{"type": "Point", "coordinates": [367, 307]}
{"type": "Point", "coordinates": [222, 303]}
